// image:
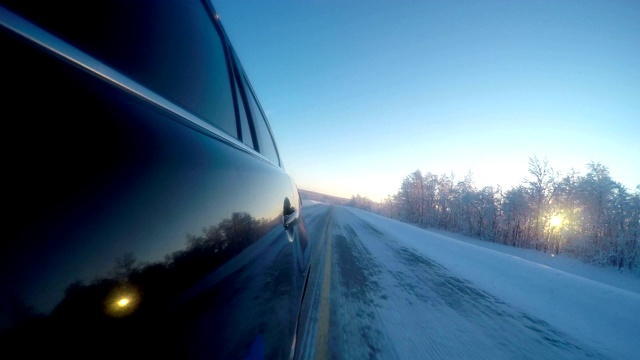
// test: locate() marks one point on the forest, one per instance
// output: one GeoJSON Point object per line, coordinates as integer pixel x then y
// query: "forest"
{"type": "Point", "coordinates": [590, 216]}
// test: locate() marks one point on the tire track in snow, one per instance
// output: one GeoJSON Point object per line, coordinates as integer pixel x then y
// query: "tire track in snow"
{"type": "Point", "coordinates": [357, 310]}
{"type": "Point", "coordinates": [386, 300]}
{"type": "Point", "coordinates": [484, 326]}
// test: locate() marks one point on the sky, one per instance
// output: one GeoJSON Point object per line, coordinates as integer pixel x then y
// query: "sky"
{"type": "Point", "coordinates": [359, 94]}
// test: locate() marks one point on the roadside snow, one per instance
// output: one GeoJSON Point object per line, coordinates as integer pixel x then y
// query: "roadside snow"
{"type": "Point", "coordinates": [595, 305]}
{"type": "Point", "coordinates": [306, 202]}
{"type": "Point", "coordinates": [622, 279]}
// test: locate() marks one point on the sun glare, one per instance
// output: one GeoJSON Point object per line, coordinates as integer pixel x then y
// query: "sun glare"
{"type": "Point", "coordinates": [556, 221]}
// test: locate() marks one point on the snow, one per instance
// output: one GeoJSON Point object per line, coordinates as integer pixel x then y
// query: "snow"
{"type": "Point", "coordinates": [623, 279]}
{"type": "Point", "coordinates": [597, 306]}
{"type": "Point", "coordinates": [307, 202]}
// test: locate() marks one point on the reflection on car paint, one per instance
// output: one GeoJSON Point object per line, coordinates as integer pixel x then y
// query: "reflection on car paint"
{"type": "Point", "coordinates": [131, 232]}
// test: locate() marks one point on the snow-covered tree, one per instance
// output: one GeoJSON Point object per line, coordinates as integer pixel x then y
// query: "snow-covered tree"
{"type": "Point", "coordinates": [541, 186]}
{"type": "Point", "coordinates": [590, 216]}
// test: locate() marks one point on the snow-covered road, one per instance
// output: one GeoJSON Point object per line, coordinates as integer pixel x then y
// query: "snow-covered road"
{"type": "Point", "coordinates": [379, 288]}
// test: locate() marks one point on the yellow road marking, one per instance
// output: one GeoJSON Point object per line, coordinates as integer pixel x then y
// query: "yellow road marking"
{"type": "Point", "coordinates": [322, 333]}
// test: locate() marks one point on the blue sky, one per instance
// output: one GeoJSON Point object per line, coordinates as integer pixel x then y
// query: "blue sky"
{"type": "Point", "coordinates": [361, 93]}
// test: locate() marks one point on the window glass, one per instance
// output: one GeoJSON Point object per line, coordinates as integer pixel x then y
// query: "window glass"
{"type": "Point", "coordinates": [246, 137]}
{"type": "Point", "coordinates": [171, 47]}
{"type": "Point", "coordinates": [265, 141]}
{"type": "Point", "coordinates": [266, 145]}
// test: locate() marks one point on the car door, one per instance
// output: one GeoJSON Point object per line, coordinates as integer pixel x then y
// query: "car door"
{"type": "Point", "coordinates": [148, 210]}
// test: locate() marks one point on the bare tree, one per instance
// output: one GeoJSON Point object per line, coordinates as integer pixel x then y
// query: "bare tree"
{"type": "Point", "coordinates": [600, 219]}
{"type": "Point", "coordinates": [542, 186]}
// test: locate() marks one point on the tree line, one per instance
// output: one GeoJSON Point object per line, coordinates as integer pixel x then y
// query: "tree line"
{"type": "Point", "coordinates": [588, 216]}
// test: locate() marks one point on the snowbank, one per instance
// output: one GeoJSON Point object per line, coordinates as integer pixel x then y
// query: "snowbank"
{"type": "Point", "coordinates": [576, 298]}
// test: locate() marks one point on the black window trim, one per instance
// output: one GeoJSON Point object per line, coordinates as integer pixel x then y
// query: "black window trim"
{"type": "Point", "coordinates": [213, 17]}
{"type": "Point", "coordinates": [240, 81]}
{"type": "Point", "coordinates": [245, 104]}
{"type": "Point", "coordinates": [243, 80]}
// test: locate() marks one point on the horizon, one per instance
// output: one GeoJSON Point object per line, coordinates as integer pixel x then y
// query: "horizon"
{"type": "Point", "coordinates": [459, 177]}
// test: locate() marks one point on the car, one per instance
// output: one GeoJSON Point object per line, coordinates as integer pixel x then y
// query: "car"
{"type": "Point", "coordinates": [147, 209]}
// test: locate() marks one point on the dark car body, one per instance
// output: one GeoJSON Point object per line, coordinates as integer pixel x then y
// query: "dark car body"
{"type": "Point", "coordinates": [146, 209]}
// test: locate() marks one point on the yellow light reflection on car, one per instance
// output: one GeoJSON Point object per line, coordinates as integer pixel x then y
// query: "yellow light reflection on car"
{"type": "Point", "coordinates": [122, 301]}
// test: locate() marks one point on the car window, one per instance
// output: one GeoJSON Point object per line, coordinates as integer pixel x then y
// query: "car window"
{"type": "Point", "coordinates": [261, 131]}
{"type": "Point", "coordinates": [160, 44]}
{"type": "Point", "coordinates": [265, 141]}
{"type": "Point", "coordinates": [266, 146]}
{"type": "Point", "coordinates": [245, 129]}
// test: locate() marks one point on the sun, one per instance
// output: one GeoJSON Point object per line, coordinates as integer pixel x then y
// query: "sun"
{"type": "Point", "coordinates": [556, 221]}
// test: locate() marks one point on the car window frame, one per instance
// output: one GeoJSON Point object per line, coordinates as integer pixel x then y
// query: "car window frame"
{"type": "Point", "coordinates": [248, 94]}
{"type": "Point", "coordinates": [241, 83]}
{"type": "Point", "coordinates": [75, 56]}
